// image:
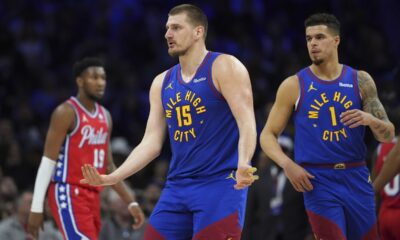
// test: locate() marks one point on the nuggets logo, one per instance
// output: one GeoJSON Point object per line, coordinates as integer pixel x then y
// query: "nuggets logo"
{"type": "Point", "coordinates": [321, 102]}
{"type": "Point", "coordinates": [190, 104]}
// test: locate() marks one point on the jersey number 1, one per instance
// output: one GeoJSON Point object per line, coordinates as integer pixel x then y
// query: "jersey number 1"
{"type": "Point", "coordinates": [333, 115]}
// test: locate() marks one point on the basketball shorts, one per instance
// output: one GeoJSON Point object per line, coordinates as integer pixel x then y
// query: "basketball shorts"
{"type": "Point", "coordinates": [202, 208]}
{"type": "Point", "coordinates": [76, 210]}
{"type": "Point", "coordinates": [341, 205]}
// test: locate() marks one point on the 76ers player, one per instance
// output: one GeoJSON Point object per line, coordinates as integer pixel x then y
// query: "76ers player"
{"type": "Point", "coordinates": [332, 103]}
{"type": "Point", "coordinates": [79, 134]}
{"type": "Point", "coordinates": [387, 169]}
{"type": "Point", "coordinates": [206, 104]}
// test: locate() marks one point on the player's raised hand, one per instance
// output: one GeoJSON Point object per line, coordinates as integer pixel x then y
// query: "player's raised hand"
{"type": "Point", "coordinates": [137, 214]}
{"type": "Point", "coordinates": [93, 177]}
{"type": "Point", "coordinates": [355, 117]}
{"type": "Point", "coordinates": [245, 176]}
{"type": "Point", "coordinates": [298, 177]}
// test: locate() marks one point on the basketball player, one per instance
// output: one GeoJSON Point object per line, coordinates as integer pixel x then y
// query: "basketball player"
{"type": "Point", "coordinates": [332, 103]}
{"type": "Point", "coordinates": [387, 183]}
{"type": "Point", "coordinates": [79, 133]}
{"type": "Point", "coordinates": [206, 104]}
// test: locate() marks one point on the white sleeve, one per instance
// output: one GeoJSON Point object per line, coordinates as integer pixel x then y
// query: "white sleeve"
{"type": "Point", "coordinates": [43, 177]}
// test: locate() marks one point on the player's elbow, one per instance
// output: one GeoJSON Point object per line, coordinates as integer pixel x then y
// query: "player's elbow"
{"type": "Point", "coordinates": [388, 135]}
{"type": "Point", "coordinates": [265, 138]}
{"type": "Point", "coordinates": [262, 137]}
{"type": "Point", "coordinates": [155, 151]}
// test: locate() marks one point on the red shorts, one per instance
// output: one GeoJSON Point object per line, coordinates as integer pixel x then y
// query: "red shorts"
{"type": "Point", "coordinates": [76, 210]}
{"type": "Point", "coordinates": [389, 224]}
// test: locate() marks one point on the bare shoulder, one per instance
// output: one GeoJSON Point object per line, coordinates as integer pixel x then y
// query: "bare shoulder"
{"type": "Point", "coordinates": [156, 87]}
{"type": "Point", "coordinates": [290, 87]}
{"type": "Point", "coordinates": [366, 84]}
{"type": "Point", "coordinates": [363, 76]}
{"type": "Point", "coordinates": [291, 83]}
{"type": "Point", "coordinates": [226, 58]}
{"type": "Point", "coordinates": [226, 70]}
{"type": "Point", "coordinates": [64, 110]}
{"type": "Point", "coordinates": [63, 117]}
{"type": "Point", "coordinates": [227, 63]}
{"type": "Point", "coordinates": [158, 80]}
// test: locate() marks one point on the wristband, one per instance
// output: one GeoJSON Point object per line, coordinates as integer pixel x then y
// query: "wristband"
{"type": "Point", "coordinates": [43, 178]}
{"type": "Point", "coordinates": [133, 204]}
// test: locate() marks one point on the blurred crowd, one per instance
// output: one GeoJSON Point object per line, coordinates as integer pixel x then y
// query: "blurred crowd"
{"type": "Point", "coordinates": [41, 39]}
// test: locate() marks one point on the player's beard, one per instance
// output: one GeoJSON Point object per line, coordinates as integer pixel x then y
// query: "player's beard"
{"type": "Point", "coordinates": [177, 53]}
{"type": "Point", "coordinates": [318, 61]}
{"type": "Point", "coordinates": [94, 97]}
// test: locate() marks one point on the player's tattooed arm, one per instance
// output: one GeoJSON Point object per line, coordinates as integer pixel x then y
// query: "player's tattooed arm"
{"type": "Point", "coordinates": [380, 125]}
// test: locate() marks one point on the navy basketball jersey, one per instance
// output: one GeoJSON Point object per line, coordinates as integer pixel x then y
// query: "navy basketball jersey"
{"type": "Point", "coordinates": [202, 130]}
{"type": "Point", "coordinates": [320, 136]}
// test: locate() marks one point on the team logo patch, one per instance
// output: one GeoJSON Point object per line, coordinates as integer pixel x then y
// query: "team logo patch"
{"type": "Point", "coordinates": [311, 87]}
{"type": "Point", "coordinates": [84, 119]}
{"type": "Point", "coordinates": [231, 176]}
{"type": "Point", "coordinates": [345, 85]}
{"type": "Point", "coordinates": [197, 80]}
{"type": "Point", "coordinates": [169, 86]}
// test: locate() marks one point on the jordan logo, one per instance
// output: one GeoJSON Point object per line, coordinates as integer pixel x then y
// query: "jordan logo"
{"type": "Point", "coordinates": [231, 176]}
{"type": "Point", "coordinates": [169, 86]}
{"type": "Point", "coordinates": [311, 87]}
{"type": "Point", "coordinates": [84, 119]}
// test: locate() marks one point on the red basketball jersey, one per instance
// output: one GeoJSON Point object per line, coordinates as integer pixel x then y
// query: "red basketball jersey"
{"type": "Point", "coordinates": [87, 143]}
{"type": "Point", "coordinates": [390, 193]}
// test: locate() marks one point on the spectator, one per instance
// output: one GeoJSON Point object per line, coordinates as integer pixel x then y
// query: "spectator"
{"type": "Point", "coordinates": [118, 225]}
{"type": "Point", "coordinates": [13, 227]}
{"type": "Point", "coordinates": [8, 195]}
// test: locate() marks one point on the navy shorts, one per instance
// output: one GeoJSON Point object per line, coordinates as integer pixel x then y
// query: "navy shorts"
{"type": "Point", "coordinates": [341, 205]}
{"type": "Point", "coordinates": [205, 208]}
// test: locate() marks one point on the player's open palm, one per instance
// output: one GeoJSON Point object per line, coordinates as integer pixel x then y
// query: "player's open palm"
{"type": "Point", "coordinates": [35, 223]}
{"type": "Point", "coordinates": [93, 177]}
{"type": "Point", "coordinates": [245, 176]}
{"type": "Point", "coordinates": [299, 177]}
